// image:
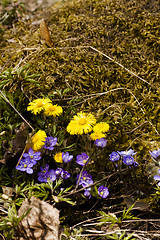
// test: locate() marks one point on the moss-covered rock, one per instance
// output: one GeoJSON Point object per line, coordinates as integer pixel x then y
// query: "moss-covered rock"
{"type": "Point", "coordinates": [127, 32]}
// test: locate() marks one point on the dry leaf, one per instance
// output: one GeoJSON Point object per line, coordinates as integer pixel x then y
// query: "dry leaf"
{"type": "Point", "coordinates": [18, 143]}
{"type": "Point", "coordinates": [7, 191]}
{"type": "Point", "coordinates": [42, 222]}
{"type": "Point", "coordinates": [45, 32]}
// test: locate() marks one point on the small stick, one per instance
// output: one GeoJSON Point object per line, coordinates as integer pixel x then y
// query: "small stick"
{"type": "Point", "coordinates": [6, 99]}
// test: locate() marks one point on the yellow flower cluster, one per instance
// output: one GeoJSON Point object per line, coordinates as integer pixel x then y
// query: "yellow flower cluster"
{"type": "Point", "coordinates": [99, 130]}
{"type": "Point", "coordinates": [86, 122]}
{"type": "Point", "coordinates": [81, 123]}
{"type": "Point", "coordinates": [38, 140]}
{"type": "Point", "coordinates": [44, 104]}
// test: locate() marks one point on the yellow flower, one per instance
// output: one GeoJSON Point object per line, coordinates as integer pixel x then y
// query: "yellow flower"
{"type": "Point", "coordinates": [58, 157]}
{"type": "Point", "coordinates": [38, 140]}
{"type": "Point", "coordinates": [81, 123]}
{"type": "Point", "coordinates": [101, 127]}
{"type": "Point", "coordinates": [37, 105]}
{"type": "Point", "coordinates": [52, 110]}
{"type": "Point", "coordinates": [97, 135]}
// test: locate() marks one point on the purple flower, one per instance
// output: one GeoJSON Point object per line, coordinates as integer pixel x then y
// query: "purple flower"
{"type": "Point", "coordinates": [103, 191]}
{"type": "Point", "coordinates": [130, 152]}
{"type": "Point", "coordinates": [29, 160]}
{"type": "Point", "coordinates": [25, 165]}
{"type": "Point", "coordinates": [33, 156]}
{"type": "Point", "coordinates": [85, 179]}
{"type": "Point", "coordinates": [101, 142]}
{"type": "Point", "coordinates": [65, 174]}
{"type": "Point", "coordinates": [135, 164]}
{"type": "Point", "coordinates": [82, 159]}
{"type": "Point", "coordinates": [157, 177]}
{"type": "Point", "coordinates": [51, 175]}
{"type": "Point", "coordinates": [58, 171]}
{"type": "Point", "coordinates": [155, 153]}
{"type": "Point", "coordinates": [50, 142]}
{"type": "Point", "coordinates": [42, 176]}
{"type": "Point", "coordinates": [62, 173]}
{"type": "Point", "coordinates": [87, 192]}
{"type": "Point", "coordinates": [114, 156]}
{"type": "Point", "coordinates": [45, 169]}
{"type": "Point", "coordinates": [128, 160]}
{"type": "Point", "coordinates": [66, 157]}
{"type": "Point", "coordinates": [46, 175]}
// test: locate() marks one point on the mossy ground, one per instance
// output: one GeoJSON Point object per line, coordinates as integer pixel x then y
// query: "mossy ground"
{"type": "Point", "coordinates": [126, 31]}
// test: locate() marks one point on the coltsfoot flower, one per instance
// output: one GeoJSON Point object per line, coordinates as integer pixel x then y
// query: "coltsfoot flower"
{"type": "Point", "coordinates": [37, 105]}
{"type": "Point", "coordinates": [97, 135]}
{"type": "Point", "coordinates": [38, 140]}
{"type": "Point", "coordinates": [101, 127]}
{"type": "Point", "coordinates": [52, 110]}
{"type": "Point", "coordinates": [58, 157]}
{"type": "Point", "coordinates": [81, 123]}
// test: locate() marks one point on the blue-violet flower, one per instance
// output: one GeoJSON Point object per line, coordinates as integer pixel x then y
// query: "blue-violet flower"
{"type": "Point", "coordinates": [87, 192]}
{"type": "Point", "coordinates": [101, 142]}
{"type": "Point", "coordinates": [25, 165]}
{"type": "Point", "coordinates": [130, 152]}
{"type": "Point", "coordinates": [82, 159]}
{"type": "Point", "coordinates": [32, 155]}
{"type": "Point", "coordinates": [114, 156]}
{"type": "Point", "coordinates": [65, 174]}
{"type": "Point", "coordinates": [135, 164]}
{"type": "Point", "coordinates": [103, 191]}
{"type": "Point", "coordinates": [155, 153]}
{"type": "Point", "coordinates": [157, 177]}
{"type": "Point", "coordinates": [42, 176]}
{"type": "Point", "coordinates": [66, 157]}
{"type": "Point", "coordinates": [128, 160]}
{"type": "Point", "coordinates": [85, 179]}
{"type": "Point", "coordinates": [50, 142]}
{"type": "Point", "coordinates": [51, 175]}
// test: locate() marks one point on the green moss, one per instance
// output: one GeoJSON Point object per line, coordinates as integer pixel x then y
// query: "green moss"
{"type": "Point", "coordinates": [128, 32]}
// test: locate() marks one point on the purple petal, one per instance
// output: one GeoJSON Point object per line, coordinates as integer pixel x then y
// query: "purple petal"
{"type": "Point", "coordinates": [29, 170]}
{"type": "Point", "coordinates": [157, 177]}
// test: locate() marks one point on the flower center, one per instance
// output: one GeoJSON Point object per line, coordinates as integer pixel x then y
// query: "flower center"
{"type": "Point", "coordinates": [25, 165]}
{"type": "Point", "coordinates": [40, 104]}
{"type": "Point", "coordinates": [82, 121]}
{"type": "Point", "coordinates": [84, 178]}
{"type": "Point", "coordinates": [52, 108]}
